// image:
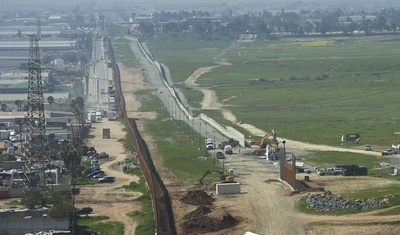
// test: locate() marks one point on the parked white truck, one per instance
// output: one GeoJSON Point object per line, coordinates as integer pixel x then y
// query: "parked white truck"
{"type": "Point", "coordinates": [209, 143]}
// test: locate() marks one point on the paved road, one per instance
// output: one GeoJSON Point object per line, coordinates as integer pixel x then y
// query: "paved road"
{"type": "Point", "coordinates": [99, 74]}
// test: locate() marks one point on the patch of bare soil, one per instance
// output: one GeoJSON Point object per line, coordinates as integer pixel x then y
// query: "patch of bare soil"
{"type": "Point", "coordinates": [109, 199]}
{"type": "Point", "coordinates": [132, 81]}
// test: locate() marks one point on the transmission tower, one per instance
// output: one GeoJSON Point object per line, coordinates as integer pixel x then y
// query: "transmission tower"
{"type": "Point", "coordinates": [38, 144]}
{"type": "Point", "coordinates": [36, 115]}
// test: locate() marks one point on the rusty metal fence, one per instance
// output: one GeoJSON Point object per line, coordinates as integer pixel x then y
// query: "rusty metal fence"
{"type": "Point", "coordinates": [288, 169]}
{"type": "Point", "coordinates": [163, 214]}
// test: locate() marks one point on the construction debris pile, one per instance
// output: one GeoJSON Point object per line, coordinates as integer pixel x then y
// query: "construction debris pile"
{"type": "Point", "coordinates": [199, 221]}
{"type": "Point", "coordinates": [326, 203]}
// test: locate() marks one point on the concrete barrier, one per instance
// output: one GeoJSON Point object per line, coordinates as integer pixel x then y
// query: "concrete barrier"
{"type": "Point", "coordinates": [227, 188]}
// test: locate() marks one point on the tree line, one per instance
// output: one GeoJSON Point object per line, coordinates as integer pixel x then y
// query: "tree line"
{"type": "Point", "coordinates": [264, 23]}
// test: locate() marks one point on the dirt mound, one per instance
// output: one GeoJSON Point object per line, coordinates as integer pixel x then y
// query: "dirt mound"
{"type": "Point", "coordinates": [206, 224]}
{"type": "Point", "coordinates": [201, 211]}
{"type": "Point", "coordinates": [198, 198]}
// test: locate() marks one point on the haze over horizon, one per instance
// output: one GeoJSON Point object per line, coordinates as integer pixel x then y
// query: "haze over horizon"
{"type": "Point", "coordinates": [114, 3]}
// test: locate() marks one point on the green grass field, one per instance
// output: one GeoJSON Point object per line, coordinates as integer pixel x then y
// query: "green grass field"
{"type": "Point", "coordinates": [122, 52]}
{"type": "Point", "coordinates": [313, 91]}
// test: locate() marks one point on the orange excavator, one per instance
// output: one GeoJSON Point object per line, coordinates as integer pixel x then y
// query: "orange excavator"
{"type": "Point", "coordinates": [262, 143]}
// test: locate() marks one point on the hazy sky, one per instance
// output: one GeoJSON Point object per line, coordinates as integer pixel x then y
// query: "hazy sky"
{"type": "Point", "coordinates": [41, 4]}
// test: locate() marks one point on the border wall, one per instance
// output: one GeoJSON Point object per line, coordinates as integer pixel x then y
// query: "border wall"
{"type": "Point", "coordinates": [163, 214]}
{"type": "Point", "coordinates": [227, 131]}
{"type": "Point", "coordinates": [288, 169]}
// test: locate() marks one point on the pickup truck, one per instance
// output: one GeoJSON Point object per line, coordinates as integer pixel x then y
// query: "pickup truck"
{"type": "Point", "coordinates": [388, 152]}
{"type": "Point", "coordinates": [330, 171]}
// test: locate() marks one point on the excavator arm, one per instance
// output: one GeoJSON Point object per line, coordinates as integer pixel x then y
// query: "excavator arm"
{"type": "Point", "coordinates": [207, 172]}
{"type": "Point", "coordinates": [265, 138]}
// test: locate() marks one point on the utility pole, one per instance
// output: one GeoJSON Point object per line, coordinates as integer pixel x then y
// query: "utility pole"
{"type": "Point", "coordinates": [200, 135]}
{"type": "Point", "coordinates": [206, 131]}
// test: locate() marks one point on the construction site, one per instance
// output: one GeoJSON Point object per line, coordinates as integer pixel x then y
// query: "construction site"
{"type": "Point", "coordinates": [255, 192]}
{"type": "Point", "coordinates": [269, 159]}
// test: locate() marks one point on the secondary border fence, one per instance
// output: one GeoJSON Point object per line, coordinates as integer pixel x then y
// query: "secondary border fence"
{"type": "Point", "coordinates": [163, 214]}
{"type": "Point", "coordinates": [228, 131]}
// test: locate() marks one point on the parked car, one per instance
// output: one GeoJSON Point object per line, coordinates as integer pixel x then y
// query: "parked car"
{"type": "Point", "coordinates": [94, 162]}
{"type": "Point", "coordinates": [107, 179]}
{"type": "Point", "coordinates": [367, 147]}
{"type": "Point", "coordinates": [84, 211]}
{"type": "Point", "coordinates": [388, 152]}
{"type": "Point", "coordinates": [16, 138]}
{"type": "Point", "coordinates": [90, 175]}
{"type": "Point", "coordinates": [303, 170]}
{"type": "Point", "coordinates": [102, 155]}
{"type": "Point", "coordinates": [220, 155]}
{"type": "Point", "coordinates": [98, 176]}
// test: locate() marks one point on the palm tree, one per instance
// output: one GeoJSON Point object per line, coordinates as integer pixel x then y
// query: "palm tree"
{"type": "Point", "coordinates": [77, 106]}
{"type": "Point", "coordinates": [50, 99]}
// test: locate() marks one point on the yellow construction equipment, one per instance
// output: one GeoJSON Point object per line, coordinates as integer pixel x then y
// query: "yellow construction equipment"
{"type": "Point", "coordinates": [262, 144]}
{"type": "Point", "coordinates": [222, 177]}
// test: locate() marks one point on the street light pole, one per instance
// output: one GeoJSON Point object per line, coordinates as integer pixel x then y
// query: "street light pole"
{"type": "Point", "coordinates": [215, 157]}
{"type": "Point", "coordinates": [206, 130]}
{"type": "Point", "coordinates": [200, 135]}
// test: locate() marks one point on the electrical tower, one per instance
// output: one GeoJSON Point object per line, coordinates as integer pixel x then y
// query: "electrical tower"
{"type": "Point", "coordinates": [36, 114]}
{"type": "Point", "coordinates": [38, 144]}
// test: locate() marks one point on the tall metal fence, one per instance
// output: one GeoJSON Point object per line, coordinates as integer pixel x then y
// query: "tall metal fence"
{"type": "Point", "coordinates": [162, 207]}
{"type": "Point", "coordinates": [288, 169]}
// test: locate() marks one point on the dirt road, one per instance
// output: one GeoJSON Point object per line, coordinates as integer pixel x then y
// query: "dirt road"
{"type": "Point", "coordinates": [109, 199]}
